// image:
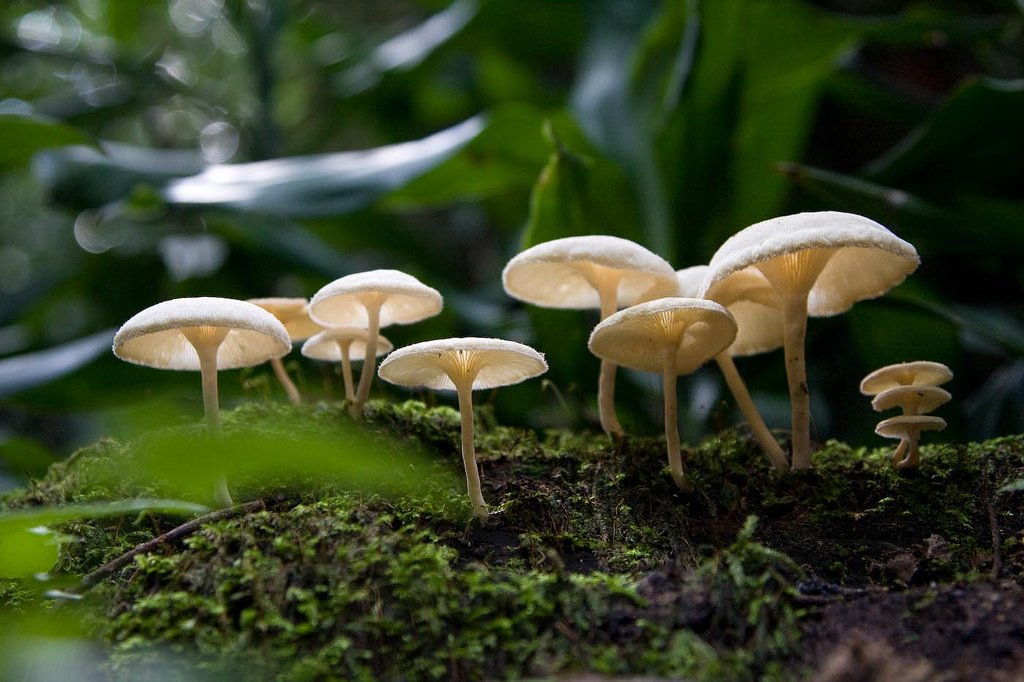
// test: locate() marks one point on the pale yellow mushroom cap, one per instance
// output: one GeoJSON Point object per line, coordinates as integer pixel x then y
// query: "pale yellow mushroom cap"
{"type": "Point", "coordinates": [405, 299]}
{"type": "Point", "coordinates": [909, 425]}
{"type": "Point", "coordinates": [696, 328]}
{"type": "Point", "coordinates": [751, 300]}
{"type": "Point", "coordinates": [324, 346]}
{"type": "Point", "coordinates": [868, 259]}
{"type": "Point", "coordinates": [493, 363]}
{"type": "Point", "coordinates": [916, 373]}
{"type": "Point", "coordinates": [293, 314]}
{"type": "Point", "coordinates": [553, 274]}
{"type": "Point", "coordinates": [153, 337]}
{"type": "Point", "coordinates": [911, 399]}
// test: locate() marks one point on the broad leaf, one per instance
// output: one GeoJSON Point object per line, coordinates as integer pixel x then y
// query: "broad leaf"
{"type": "Point", "coordinates": [25, 371]}
{"type": "Point", "coordinates": [22, 136]}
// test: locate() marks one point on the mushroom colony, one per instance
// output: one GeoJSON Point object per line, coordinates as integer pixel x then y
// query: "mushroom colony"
{"type": "Point", "coordinates": [754, 296]}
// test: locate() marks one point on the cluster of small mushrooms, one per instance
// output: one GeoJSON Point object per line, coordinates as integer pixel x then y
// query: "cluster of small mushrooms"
{"type": "Point", "coordinates": [754, 296]}
{"type": "Point", "coordinates": [914, 388]}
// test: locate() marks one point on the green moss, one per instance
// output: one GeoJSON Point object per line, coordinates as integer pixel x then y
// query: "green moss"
{"type": "Point", "coordinates": [591, 560]}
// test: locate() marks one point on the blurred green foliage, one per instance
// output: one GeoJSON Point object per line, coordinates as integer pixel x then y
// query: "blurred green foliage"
{"type": "Point", "coordinates": [265, 148]}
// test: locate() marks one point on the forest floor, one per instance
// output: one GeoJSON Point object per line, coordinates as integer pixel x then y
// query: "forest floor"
{"type": "Point", "coordinates": [591, 564]}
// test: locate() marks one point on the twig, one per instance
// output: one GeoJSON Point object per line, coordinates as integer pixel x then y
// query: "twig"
{"type": "Point", "coordinates": [172, 535]}
{"type": "Point", "coordinates": [997, 554]}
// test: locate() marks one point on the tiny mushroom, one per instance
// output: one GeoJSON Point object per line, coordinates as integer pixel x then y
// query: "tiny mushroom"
{"type": "Point", "coordinates": [911, 399]}
{"type": "Point", "coordinates": [464, 365]}
{"type": "Point", "coordinates": [819, 264]}
{"type": "Point", "coordinates": [916, 373]}
{"type": "Point", "coordinates": [596, 271]}
{"type": "Point", "coordinates": [206, 334]}
{"type": "Point", "coordinates": [758, 314]}
{"type": "Point", "coordinates": [373, 299]}
{"type": "Point", "coordinates": [908, 428]}
{"type": "Point", "coordinates": [293, 313]}
{"type": "Point", "coordinates": [671, 336]}
{"type": "Point", "coordinates": [344, 344]}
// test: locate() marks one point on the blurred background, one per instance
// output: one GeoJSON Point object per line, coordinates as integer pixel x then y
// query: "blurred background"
{"type": "Point", "coordinates": [251, 148]}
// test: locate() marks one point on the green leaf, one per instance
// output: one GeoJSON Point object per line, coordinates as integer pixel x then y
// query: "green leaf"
{"type": "Point", "coordinates": [946, 153]}
{"type": "Point", "coordinates": [505, 156]}
{"type": "Point", "coordinates": [28, 546]}
{"type": "Point", "coordinates": [25, 371]}
{"type": "Point", "coordinates": [579, 192]}
{"type": "Point", "coordinates": [22, 136]}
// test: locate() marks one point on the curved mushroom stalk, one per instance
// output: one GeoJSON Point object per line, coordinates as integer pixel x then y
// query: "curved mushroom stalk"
{"type": "Point", "coordinates": [906, 455]}
{"type": "Point", "coordinates": [908, 428]}
{"type": "Point", "coordinates": [464, 388]}
{"type": "Point", "coordinates": [372, 302]}
{"type": "Point", "coordinates": [675, 457]}
{"type": "Point", "coordinates": [762, 434]}
{"type": "Point", "coordinates": [606, 282]}
{"type": "Point", "coordinates": [346, 368]}
{"type": "Point", "coordinates": [286, 382]}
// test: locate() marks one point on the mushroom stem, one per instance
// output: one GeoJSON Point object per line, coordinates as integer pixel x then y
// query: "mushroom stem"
{"type": "Point", "coordinates": [606, 290]}
{"type": "Point", "coordinates": [794, 333]}
{"type": "Point", "coordinates": [464, 388]}
{"type": "Point", "coordinates": [372, 303]}
{"type": "Point", "coordinates": [764, 437]}
{"type": "Point", "coordinates": [286, 382]}
{"type": "Point", "coordinates": [206, 340]}
{"type": "Point", "coordinates": [346, 368]}
{"type": "Point", "coordinates": [675, 458]}
{"type": "Point", "coordinates": [912, 458]}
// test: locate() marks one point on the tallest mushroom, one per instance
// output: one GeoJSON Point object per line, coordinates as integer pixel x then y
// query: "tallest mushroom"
{"type": "Point", "coordinates": [595, 271]}
{"type": "Point", "coordinates": [819, 264]}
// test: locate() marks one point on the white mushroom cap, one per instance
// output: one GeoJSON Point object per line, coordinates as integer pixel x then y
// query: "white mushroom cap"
{"type": "Point", "coordinates": [293, 314]}
{"type": "Point", "coordinates": [324, 346]}
{"type": "Point", "coordinates": [552, 274]}
{"type": "Point", "coordinates": [911, 399]}
{"type": "Point", "coordinates": [916, 373]}
{"type": "Point", "coordinates": [634, 337]}
{"type": "Point", "coordinates": [153, 337]}
{"type": "Point", "coordinates": [752, 301]}
{"type": "Point", "coordinates": [868, 260]}
{"type": "Point", "coordinates": [496, 362]}
{"type": "Point", "coordinates": [909, 426]}
{"type": "Point", "coordinates": [406, 299]}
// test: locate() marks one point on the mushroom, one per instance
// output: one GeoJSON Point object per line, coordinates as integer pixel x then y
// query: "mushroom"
{"type": "Point", "coordinates": [206, 334]}
{"type": "Point", "coordinates": [911, 399]}
{"type": "Point", "coordinates": [464, 365]}
{"type": "Point", "coordinates": [916, 373]}
{"type": "Point", "coordinates": [293, 313]}
{"type": "Point", "coordinates": [344, 344]}
{"type": "Point", "coordinates": [819, 264]}
{"type": "Point", "coordinates": [596, 271]}
{"type": "Point", "coordinates": [756, 308]}
{"type": "Point", "coordinates": [372, 300]}
{"type": "Point", "coordinates": [908, 428]}
{"type": "Point", "coordinates": [671, 336]}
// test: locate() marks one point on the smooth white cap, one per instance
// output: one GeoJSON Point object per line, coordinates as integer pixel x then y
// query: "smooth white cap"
{"type": "Point", "coordinates": [550, 274]}
{"type": "Point", "coordinates": [154, 338]}
{"type": "Point", "coordinates": [698, 330]}
{"type": "Point", "coordinates": [496, 362]}
{"type": "Point", "coordinates": [916, 373]}
{"type": "Point", "coordinates": [407, 299]}
{"type": "Point", "coordinates": [324, 346]}
{"type": "Point", "coordinates": [909, 425]}
{"type": "Point", "coordinates": [911, 399]}
{"type": "Point", "coordinates": [293, 314]}
{"type": "Point", "coordinates": [868, 261]}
